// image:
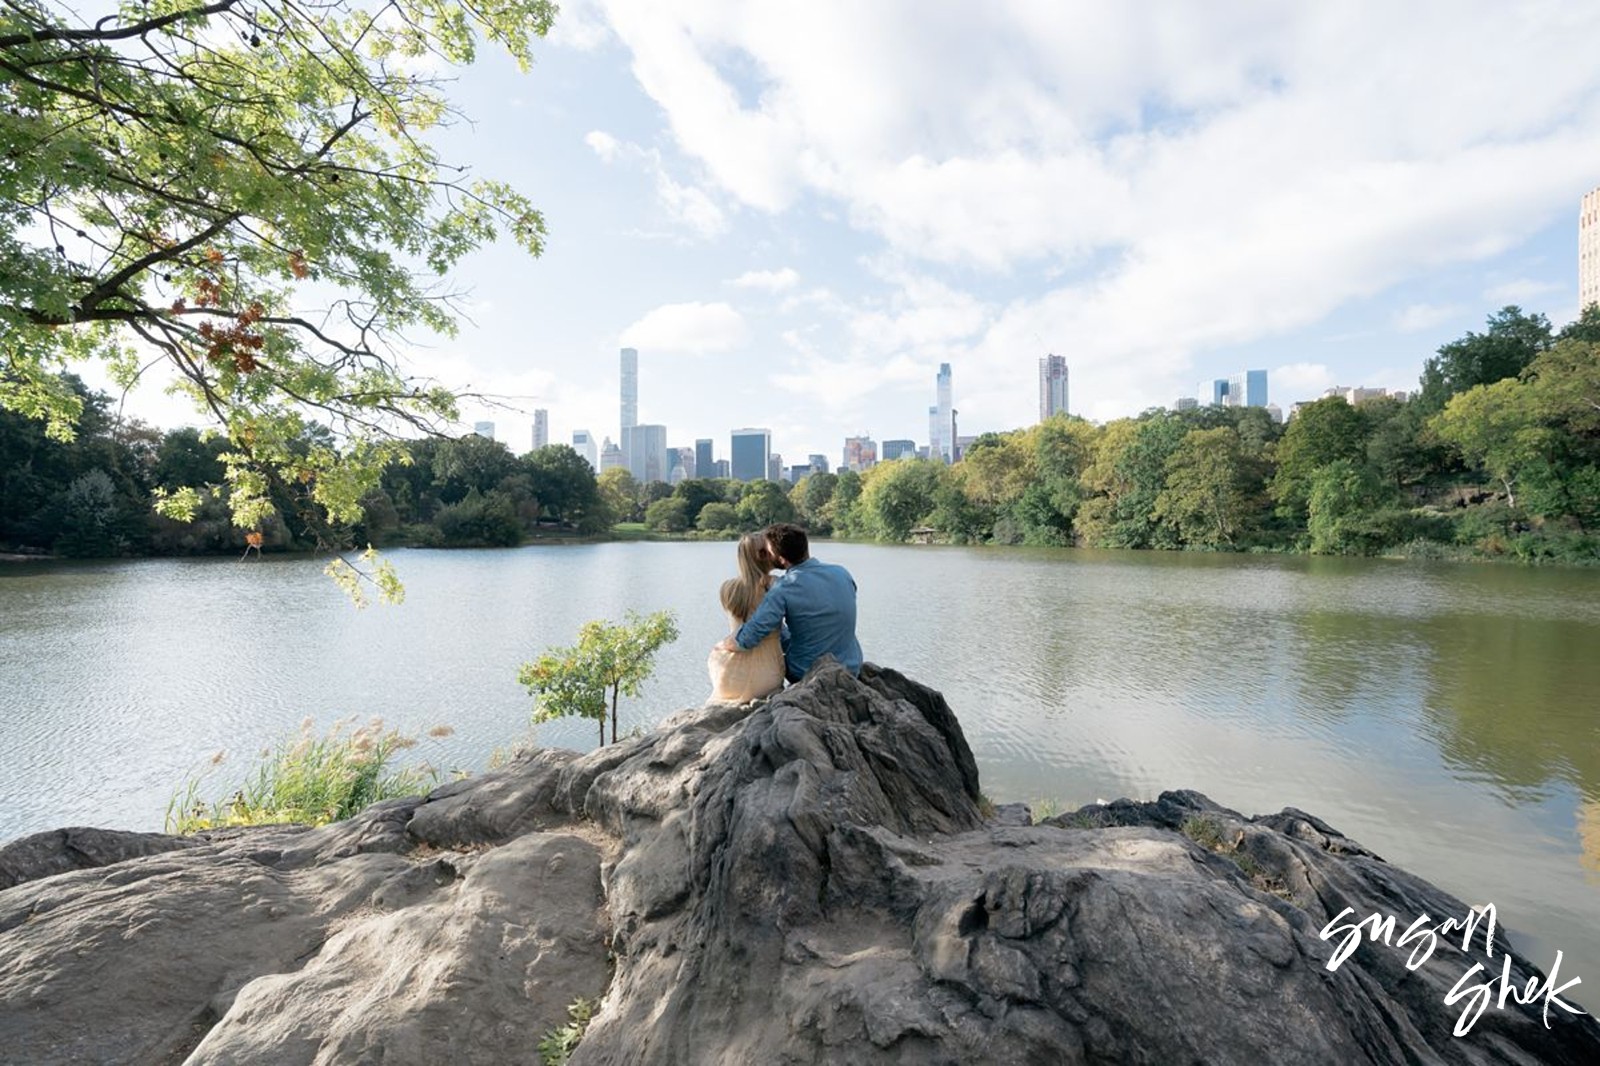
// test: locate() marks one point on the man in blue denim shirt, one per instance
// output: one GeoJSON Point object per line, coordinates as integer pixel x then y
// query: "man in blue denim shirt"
{"type": "Point", "coordinates": [816, 600]}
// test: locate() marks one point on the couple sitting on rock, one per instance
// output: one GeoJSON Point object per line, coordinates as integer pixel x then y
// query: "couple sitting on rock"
{"type": "Point", "coordinates": [782, 624]}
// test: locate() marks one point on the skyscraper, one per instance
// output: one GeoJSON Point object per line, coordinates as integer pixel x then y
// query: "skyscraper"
{"type": "Point", "coordinates": [859, 453]}
{"type": "Point", "coordinates": [484, 429]}
{"type": "Point", "coordinates": [583, 444]}
{"type": "Point", "coordinates": [947, 429]}
{"type": "Point", "coordinates": [1589, 249]}
{"type": "Point", "coordinates": [899, 449]}
{"type": "Point", "coordinates": [1211, 392]}
{"type": "Point", "coordinates": [630, 390]}
{"type": "Point", "coordinates": [611, 457]}
{"type": "Point", "coordinates": [749, 449]}
{"type": "Point", "coordinates": [934, 451]}
{"type": "Point", "coordinates": [1052, 386]}
{"type": "Point", "coordinates": [541, 428]}
{"type": "Point", "coordinates": [1247, 388]}
{"type": "Point", "coordinates": [647, 453]}
{"type": "Point", "coordinates": [702, 457]}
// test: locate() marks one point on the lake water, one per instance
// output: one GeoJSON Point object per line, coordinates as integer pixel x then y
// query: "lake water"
{"type": "Point", "coordinates": [1447, 716]}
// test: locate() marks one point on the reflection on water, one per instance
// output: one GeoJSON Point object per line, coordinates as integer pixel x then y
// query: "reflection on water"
{"type": "Point", "coordinates": [1443, 715]}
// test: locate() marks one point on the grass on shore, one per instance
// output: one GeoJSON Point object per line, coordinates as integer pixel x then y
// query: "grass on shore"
{"type": "Point", "coordinates": [311, 780]}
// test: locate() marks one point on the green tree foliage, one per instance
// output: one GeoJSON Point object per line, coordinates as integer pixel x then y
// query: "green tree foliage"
{"type": "Point", "coordinates": [620, 492]}
{"type": "Point", "coordinates": [1062, 448]}
{"type": "Point", "coordinates": [763, 503]}
{"type": "Point", "coordinates": [651, 491]}
{"type": "Point", "coordinates": [695, 494]}
{"type": "Point", "coordinates": [997, 469]}
{"type": "Point", "coordinates": [1400, 449]}
{"type": "Point", "coordinates": [1125, 476]}
{"type": "Point", "coordinates": [1585, 328]}
{"type": "Point", "coordinates": [1497, 428]}
{"type": "Point", "coordinates": [188, 457]}
{"type": "Point", "coordinates": [670, 515]}
{"type": "Point", "coordinates": [896, 497]}
{"type": "Point", "coordinates": [812, 497]}
{"type": "Point", "coordinates": [184, 180]}
{"type": "Point", "coordinates": [717, 518]}
{"type": "Point", "coordinates": [840, 510]}
{"type": "Point", "coordinates": [1347, 508]}
{"type": "Point", "coordinates": [470, 464]}
{"type": "Point", "coordinates": [607, 658]}
{"type": "Point", "coordinates": [565, 486]}
{"type": "Point", "coordinates": [86, 496]}
{"type": "Point", "coordinates": [1538, 436]}
{"type": "Point", "coordinates": [479, 520]}
{"type": "Point", "coordinates": [955, 514]}
{"type": "Point", "coordinates": [1511, 341]}
{"type": "Point", "coordinates": [1213, 489]}
{"type": "Point", "coordinates": [1322, 433]}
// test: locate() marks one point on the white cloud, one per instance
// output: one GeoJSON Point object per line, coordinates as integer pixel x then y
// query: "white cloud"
{"type": "Point", "coordinates": [1521, 291]}
{"type": "Point", "coordinates": [1171, 186]}
{"type": "Point", "coordinates": [579, 26]}
{"type": "Point", "coordinates": [767, 280]}
{"type": "Point", "coordinates": [688, 206]}
{"type": "Point", "coordinates": [1300, 381]}
{"type": "Point", "coordinates": [687, 328]}
{"type": "Point", "coordinates": [607, 147]}
{"type": "Point", "coordinates": [1417, 317]}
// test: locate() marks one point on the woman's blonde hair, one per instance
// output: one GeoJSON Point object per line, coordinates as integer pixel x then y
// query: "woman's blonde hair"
{"type": "Point", "coordinates": [742, 595]}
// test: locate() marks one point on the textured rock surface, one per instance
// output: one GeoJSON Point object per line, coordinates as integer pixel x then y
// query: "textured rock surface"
{"type": "Point", "coordinates": [805, 880]}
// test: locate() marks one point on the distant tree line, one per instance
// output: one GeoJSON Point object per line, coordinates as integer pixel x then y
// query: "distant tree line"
{"type": "Point", "coordinates": [1498, 453]}
{"type": "Point", "coordinates": [92, 496]}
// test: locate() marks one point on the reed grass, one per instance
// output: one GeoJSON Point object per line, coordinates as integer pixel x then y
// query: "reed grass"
{"type": "Point", "coordinates": [308, 779]}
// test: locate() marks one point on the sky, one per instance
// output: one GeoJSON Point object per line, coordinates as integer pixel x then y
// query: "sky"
{"type": "Point", "coordinates": [796, 212]}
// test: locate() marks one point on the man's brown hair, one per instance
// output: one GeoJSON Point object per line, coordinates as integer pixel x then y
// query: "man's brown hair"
{"type": "Point", "coordinates": [789, 542]}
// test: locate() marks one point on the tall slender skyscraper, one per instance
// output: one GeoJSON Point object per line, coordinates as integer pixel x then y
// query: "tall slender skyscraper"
{"type": "Point", "coordinates": [541, 428]}
{"type": "Point", "coordinates": [630, 389]}
{"type": "Point", "coordinates": [947, 429]}
{"type": "Point", "coordinates": [934, 451]}
{"type": "Point", "coordinates": [1589, 250]}
{"type": "Point", "coordinates": [702, 457]}
{"type": "Point", "coordinates": [1052, 386]}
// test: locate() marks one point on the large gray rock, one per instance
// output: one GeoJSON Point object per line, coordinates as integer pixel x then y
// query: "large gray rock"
{"type": "Point", "coordinates": [807, 879]}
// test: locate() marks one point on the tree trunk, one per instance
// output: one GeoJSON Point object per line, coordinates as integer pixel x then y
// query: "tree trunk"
{"type": "Point", "coordinates": [602, 729]}
{"type": "Point", "coordinates": [613, 714]}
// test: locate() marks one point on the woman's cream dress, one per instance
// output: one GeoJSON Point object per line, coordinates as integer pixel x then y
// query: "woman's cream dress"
{"type": "Point", "coordinates": [742, 676]}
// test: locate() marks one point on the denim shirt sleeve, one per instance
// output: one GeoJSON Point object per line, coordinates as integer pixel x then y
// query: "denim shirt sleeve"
{"type": "Point", "coordinates": [767, 617]}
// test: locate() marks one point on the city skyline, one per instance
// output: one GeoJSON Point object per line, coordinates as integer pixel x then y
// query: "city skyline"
{"type": "Point", "coordinates": [1159, 200]}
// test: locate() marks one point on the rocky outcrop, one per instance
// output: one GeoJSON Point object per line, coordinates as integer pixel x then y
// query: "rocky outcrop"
{"type": "Point", "coordinates": [808, 879]}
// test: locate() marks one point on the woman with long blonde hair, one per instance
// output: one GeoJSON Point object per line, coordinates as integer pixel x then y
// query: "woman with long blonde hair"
{"type": "Point", "coordinates": [741, 676]}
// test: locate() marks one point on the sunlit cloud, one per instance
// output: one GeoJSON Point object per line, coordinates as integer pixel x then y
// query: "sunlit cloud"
{"type": "Point", "coordinates": [687, 329]}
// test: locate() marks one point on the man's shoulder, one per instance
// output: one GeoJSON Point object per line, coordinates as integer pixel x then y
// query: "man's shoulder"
{"type": "Point", "coordinates": [833, 570]}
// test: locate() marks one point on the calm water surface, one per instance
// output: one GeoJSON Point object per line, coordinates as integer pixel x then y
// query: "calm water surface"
{"type": "Point", "coordinates": [1446, 716]}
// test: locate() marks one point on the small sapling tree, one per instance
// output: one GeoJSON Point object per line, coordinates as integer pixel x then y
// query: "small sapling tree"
{"type": "Point", "coordinates": [613, 660]}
